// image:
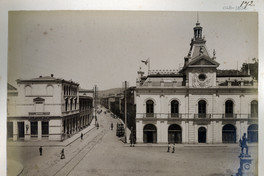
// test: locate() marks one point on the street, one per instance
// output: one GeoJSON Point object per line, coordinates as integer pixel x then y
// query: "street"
{"type": "Point", "coordinates": [102, 153]}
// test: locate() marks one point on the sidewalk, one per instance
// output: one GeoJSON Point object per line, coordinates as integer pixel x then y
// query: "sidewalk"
{"type": "Point", "coordinates": [189, 145]}
{"type": "Point", "coordinates": [52, 143]}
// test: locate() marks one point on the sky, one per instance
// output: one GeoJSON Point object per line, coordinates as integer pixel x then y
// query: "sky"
{"type": "Point", "coordinates": [104, 48]}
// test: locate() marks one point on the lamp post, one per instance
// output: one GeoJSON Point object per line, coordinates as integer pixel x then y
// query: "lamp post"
{"type": "Point", "coordinates": [125, 111]}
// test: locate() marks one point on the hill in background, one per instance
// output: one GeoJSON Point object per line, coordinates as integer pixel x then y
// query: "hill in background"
{"type": "Point", "coordinates": [108, 92]}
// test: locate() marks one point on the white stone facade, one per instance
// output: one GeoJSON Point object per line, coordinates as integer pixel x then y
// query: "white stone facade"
{"type": "Point", "coordinates": [198, 104]}
{"type": "Point", "coordinates": [45, 108]}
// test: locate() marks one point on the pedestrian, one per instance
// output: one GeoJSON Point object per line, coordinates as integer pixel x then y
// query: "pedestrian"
{"type": "Point", "coordinates": [62, 154]}
{"type": "Point", "coordinates": [112, 125]}
{"type": "Point", "coordinates": [132, 138]}
{"type": "Point", "coordinates": [173, 148]}
{"type": "Point", "coordinates": [97, 125]}
{"type": "Point", "coordinates": [81, 136]}
{"type": "Point", "coordinates": [40, 150]}
{"type": "Point", "coordinates": [169, 146]}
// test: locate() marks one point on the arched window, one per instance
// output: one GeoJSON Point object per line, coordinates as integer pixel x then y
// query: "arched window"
{"type": "Point", "coordinates": [28, 90]}
{"type": "Point", "coordinates": [66, 104]}
{"type": "Point", "coordinates": [150, 108]}
{"type": "Point", "coordinates": [254, 109]}
{"type": "Point", "coordinates": [50, 90]}
{"type": "Point", "coordinates": [174, 108]}
{"type": "Point", "coordinates": [71, 104]}
{"type": "Point", "coordinates": [202, 109]}
{"type": "Point", "coordinates": [229, 108]}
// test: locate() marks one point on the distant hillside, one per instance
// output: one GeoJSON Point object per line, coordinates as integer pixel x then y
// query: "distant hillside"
{"type": "Point", "coordinates": [105, 93]}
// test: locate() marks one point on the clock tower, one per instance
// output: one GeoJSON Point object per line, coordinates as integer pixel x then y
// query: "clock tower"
{"type": "Point", "coordinates": [199, 67]}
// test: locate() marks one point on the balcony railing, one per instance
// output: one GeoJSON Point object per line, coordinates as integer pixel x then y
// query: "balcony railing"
{"type": "Point", "coordinates": [174, 115]}
{"type": "Point", "coordinates": [196, 116]}
{"type": "Point", "coordinates": [229, 116]}
{"type": "Point", "coordinates": [253, 116]}
{"type": "Point", "coordinates": [39, 113]}
{"type": "Point", "coordinates": [202, 116]}
{"type": "Point", "coordinates": [159, 115]}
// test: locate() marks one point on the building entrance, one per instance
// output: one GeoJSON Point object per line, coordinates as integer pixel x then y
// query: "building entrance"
{"type": "Point", "coordinates": [21, 130]}
{"type": "Point", "coordinates": [9, 129]}
{"type": "Point", "coordinates": [174, 134]}
{"type": "Point", "coordinates": [229, 134]}
{"type": "Point", "coordinates": [150, 134]}
{"type": "Point", "coordinates": [253, 133]}
{"type": "Point", "coordinates": [202, 135]}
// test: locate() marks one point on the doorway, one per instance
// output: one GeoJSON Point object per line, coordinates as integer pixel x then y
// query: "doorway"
{"type": "Point", "coordinates": [202, 135]}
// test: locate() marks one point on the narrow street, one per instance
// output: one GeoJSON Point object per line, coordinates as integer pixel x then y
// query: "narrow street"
{"type": "Point", "coordinates": [102, 153]}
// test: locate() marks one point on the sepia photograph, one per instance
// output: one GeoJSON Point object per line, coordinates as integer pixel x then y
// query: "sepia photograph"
{"type": "Point", "coordinates": [122, 93]}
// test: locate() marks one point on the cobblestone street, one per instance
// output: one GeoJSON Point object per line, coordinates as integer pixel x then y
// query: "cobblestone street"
{"type": "Point", "coordinates": [102, 153]}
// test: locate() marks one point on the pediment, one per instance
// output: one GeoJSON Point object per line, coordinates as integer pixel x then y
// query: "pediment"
{"type": "Point", "coordinates": [38, 99]}
{"type": "Point", "coordinates": [203, 61]}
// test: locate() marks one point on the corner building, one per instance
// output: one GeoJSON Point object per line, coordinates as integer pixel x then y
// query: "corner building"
{"type": "Point", "coordinates": [44, 108]}
{"type": "Point", "coordinates": [198, 104]}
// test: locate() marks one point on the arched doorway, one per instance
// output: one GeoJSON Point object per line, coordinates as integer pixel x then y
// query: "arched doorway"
{"type": "Point", "coordinates": [174, 134]}
{"type": "Point", "coordinates": [202, 135]}
{"type": "Point", "coordinates": [253, 133]}
{"type": "Point", "coordinates": [150, 133]}
{"type": "Point", "coordinates": [229, 134]}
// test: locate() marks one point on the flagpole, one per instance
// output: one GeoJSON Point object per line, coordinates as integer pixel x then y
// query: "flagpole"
{"type": "Point", "coordinates": [148, 66]}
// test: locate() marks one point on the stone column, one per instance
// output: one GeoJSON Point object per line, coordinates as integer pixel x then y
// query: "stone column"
{"type": "Point", "coordinates": [39, 130]}
{"type": "Point", "coordinates": [15, 130]}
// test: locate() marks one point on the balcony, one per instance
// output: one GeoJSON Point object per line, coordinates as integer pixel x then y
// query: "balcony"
{"type": "Point", "coordinates": [159, 115]}
{"type": "Point", "coordinates": [253, 116]}
{"type": "Point", "coordinates": [202, 116]}
{"type": "Point", "coordinates": [175, 115]}
{"type": "Point", "coordinates": [229, 116]}
{"type": "Point", "coordinates": [38, 113]}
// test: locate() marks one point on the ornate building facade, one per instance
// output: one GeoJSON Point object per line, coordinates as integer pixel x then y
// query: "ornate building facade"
{"type": "Point", "coordinates": [46, 108]}
{"type": "Point", "coordinates": [198, 104]}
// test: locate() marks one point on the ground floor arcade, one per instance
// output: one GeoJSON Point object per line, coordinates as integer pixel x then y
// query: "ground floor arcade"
{"type": "Point", "coordinates": [191, 132]}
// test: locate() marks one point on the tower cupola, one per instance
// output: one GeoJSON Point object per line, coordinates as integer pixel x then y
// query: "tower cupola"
{"type": "Point", "coordinates": [198, 31]}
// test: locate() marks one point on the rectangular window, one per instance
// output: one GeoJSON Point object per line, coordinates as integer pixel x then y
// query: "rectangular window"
{"type": "Point", "coordinates": [34, 128]}
{"type": "Point", "coordinates": [45, 128]}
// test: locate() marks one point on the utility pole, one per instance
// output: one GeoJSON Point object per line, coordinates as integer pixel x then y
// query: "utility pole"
{"type": "Point", "coordinates": [95, 103]}
{"type": "Point", "coordinates": [125, 112]}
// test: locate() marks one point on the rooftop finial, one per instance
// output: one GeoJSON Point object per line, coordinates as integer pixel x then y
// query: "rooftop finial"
{"type": "Point", "coordinates": [214, 52]}
{"type": "Point", "coordinates": [197, 17]}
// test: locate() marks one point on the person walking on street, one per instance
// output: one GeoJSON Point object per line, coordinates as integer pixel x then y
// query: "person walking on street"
{"type": "Point", "coordinates": [40, 150]}
{"type": "Point", "coordinates": [62, 154]}
{"type": "Point", "coordinates": [173, 148]}
{"type": "Point", "coordinates": [97, 125]}
{"type": "Point", "coordinates": [81, 136]}
{"type": "Point", "coordinates": [132, 138]}
{"type": "Point", "coordinates": [169, 146]}
{"type": "Point", "coordinates": [112, 125]}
